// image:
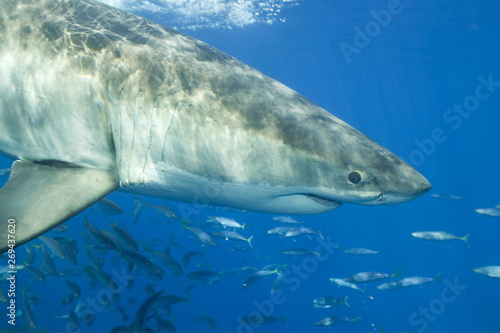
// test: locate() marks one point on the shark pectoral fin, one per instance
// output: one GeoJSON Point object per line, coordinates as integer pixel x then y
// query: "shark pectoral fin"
{"type": "Point", "coordinates": [38, 197]}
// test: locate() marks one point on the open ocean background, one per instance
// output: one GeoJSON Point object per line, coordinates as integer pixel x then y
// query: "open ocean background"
{"type": "Point", "coordinates": [397, 89]}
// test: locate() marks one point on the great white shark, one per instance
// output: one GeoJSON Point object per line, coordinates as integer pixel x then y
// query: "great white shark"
{"type": "Point", "coordinates": [94, 99]}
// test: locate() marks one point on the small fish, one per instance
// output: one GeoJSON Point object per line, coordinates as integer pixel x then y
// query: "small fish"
{"type": "Point", "coordinates": [300, 252]}
{"type": "Point", "coordinates": [259, 275]}
{"type": "Point", "coordinates": [125, 236]}
{"type": "Point", "coordinates": [226, 234]}
{"type": "Point", "coordinates": [204, 319]}
{"type": "Point", "coordinates": [5, 269]}
{"type": "Point", "coordinates": [343, 283]}
{"type": "Point", "coordinates": [407, 282]}
{"type": "Point", "coordinates": [140, 315]}
{"type": "Point", "coordinates": [48, 265]}
{"type": "Point", "coordinates": [35, 273]}
{"type": "Point", "coordinates": [166, 259]}
{"type": "Point", "coordinates": [438, 236]}
{"type": "Point", "coordinates": [446, 196]}
{"type": "Point", "coordinates": [95, 261]}
{"type": "Point", "coordinates": [493, 212]}
{"type": "Point", "coordinates": [27, 313]}
{"type": "Point", "coordinates": [360, 251]}
{"type": "Point", "coordinates": [54, 246]}
{"type": "Point", "coordinates": [136, 213]}
{"type": "Point", "coordinates": [4, 172]}
{"type": "Point", "coordinates": [491, 271]}
{"type": "Point", "coordinates": [98, 235]}
{"type": "Point", "coordinates": [285, 219]}
{"type": "Point", "coordinates": [108, 207]}
{"type": "Point", "coordinates": [163, 211]}
{"type": "Point", "coordinates": [301, 232]}
{"type": "Point", "coordinates": [202, 236]}
{"type": "Point", "coordinates": [101, 276]}
{"type": "Point", "coordinates": [119, 247]}
{"type": "Point", "coordinates": [280, 230]}
{"type": "Point", "coordinates": [168, 300]}
{"type": "Point", "coordinates": [187, 257]}
{"type": "Point", "coordinates": [70, 248]}
{"type": "Point", "coordinates": [30, 256]}
{"type": "Point", "coordinates": [143, 263]}
{"type": "Point", "coordinates": [227, 222]}
{"type": "Point", "coordinates": [329, 302]}
{"type": "Point", "coordinates": [370, 276]}
{"type": "Point", "coordinates": [260, 319]}
{"type": "Point", "coordinates": [277, 283]}
{"type": "Point", "coordinates": [335, 320]}
{"type": "Point", "coordinates": [74, 288]}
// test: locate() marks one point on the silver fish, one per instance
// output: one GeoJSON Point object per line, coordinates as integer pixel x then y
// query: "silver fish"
{"type": "Point", "coordinates": [406, 282]}
{"type": "Point", "coordinates": [446, 196]}
{"type": "Point", "coordinates": [285, 219]}
{"type": "Point", "coordinates": [360, 251]}
{"type": "Point", "coordinates": [343, 283]}
{"type": "Point", "coordinates": [491, 271]}
{"type": "Point", "coordinates": [493, 212]}
{"type": "Point", "coordinates": [335, 320]}
{"type": "Point", "coordinates": [438, 236]}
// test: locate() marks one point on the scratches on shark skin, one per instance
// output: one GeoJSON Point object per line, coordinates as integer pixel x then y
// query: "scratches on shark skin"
{"type": "Point", "coordinates": [150, 143]}
{"type": "Point", "coordinates": [167, 131]}
{"type": "Point", "coordinates": [136, 128]}
{"type": "Point", "coordinates": [49, 99]}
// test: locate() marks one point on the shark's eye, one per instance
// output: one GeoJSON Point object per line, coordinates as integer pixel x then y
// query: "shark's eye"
{"type": "Point", "coordinates": [354, 177]}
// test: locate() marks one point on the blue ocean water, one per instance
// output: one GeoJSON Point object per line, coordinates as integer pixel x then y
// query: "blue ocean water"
{"type": "Point", "coordinates": [400, 80]}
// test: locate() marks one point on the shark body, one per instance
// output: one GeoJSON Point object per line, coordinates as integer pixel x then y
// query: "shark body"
{"type": "Point", "coordinates": [94, 99]}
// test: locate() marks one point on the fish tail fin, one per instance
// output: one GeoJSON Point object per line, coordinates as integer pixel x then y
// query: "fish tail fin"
{"type": "Point", "coordinates": [345, 301]}
{"type": "Point", "coordinates": [282, 318]}
{"type": "Point", "coordinates": [243, 226]}
{"type": "Point", "coordinates": [249, 240]}
{"type": "Point", "coordinates": [438, 277]}
{"type": "Point", "coordinates": [465, 239]}
{"type": "Point", "coordinates": [320, 233]}
{"type": "Point", "coordinates": [279, 270]}
{"type": "Point", "coordinates": [356, 319]}
{"type": "Point", "coordinates": [397, 272]}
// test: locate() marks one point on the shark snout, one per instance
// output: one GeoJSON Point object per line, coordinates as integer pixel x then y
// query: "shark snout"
{"type": "Point", "coordinates": [408, 187]}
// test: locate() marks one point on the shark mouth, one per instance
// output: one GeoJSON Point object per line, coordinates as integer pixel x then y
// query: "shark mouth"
{"type": "Point", "coordinates": [323, 201]}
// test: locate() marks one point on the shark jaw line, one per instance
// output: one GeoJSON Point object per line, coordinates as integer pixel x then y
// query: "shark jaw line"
{"type": "Point", "coordinates": [324, 201]}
